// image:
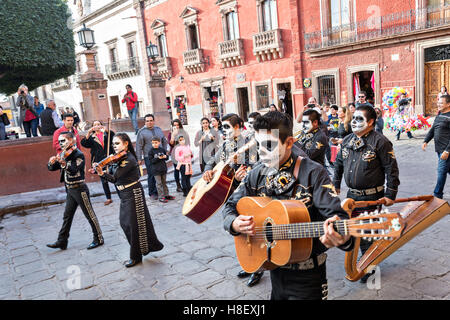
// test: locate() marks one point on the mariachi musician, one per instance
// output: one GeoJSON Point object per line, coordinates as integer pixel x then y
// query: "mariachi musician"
{"type": "Point", "coordinates": [134, 218]}
{"type": "Point", "coordinates": [232, 126]}
{"type": "Point", "coordinates": [282, 174]}
{"type": "Point", "coordinates": [71, 163]}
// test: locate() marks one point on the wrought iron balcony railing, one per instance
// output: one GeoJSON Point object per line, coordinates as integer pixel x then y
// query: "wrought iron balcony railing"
{"type": "Point", "coordinates": [122, 69]}
{"type": "Point", "coordinates": [391, 25]}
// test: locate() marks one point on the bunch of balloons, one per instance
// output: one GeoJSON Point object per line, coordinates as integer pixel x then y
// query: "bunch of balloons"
{"type": "Point", "coordinates": [400, 119]}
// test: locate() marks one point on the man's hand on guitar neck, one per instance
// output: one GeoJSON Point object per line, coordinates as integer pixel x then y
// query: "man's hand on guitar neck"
{"type": "Point", "coordinates": [331, 238]}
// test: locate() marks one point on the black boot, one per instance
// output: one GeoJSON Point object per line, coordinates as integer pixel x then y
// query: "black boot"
{"type": "Point", "coordinates": [95, 244]}
{"type": "Point", "coordinates": [254, 278]}
{"type": "Point", "coordinates": [58, 245]}
{"type": "Point", "coordinates": [179, 189]}
{"type": "Point", "coordinates": [131, 263]}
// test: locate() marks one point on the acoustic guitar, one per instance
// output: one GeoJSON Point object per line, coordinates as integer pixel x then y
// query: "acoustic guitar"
{"type": "Point", "coordinates": [284, 232]}
{"type": "Point", "coordinates": [205, 198]}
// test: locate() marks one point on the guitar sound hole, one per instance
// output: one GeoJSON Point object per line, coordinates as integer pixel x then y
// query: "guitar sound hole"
{"type": "Point", "coordinates": [268, 232]}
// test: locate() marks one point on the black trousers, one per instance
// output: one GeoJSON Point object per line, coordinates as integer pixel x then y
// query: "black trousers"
{"type": "Point", "coordinates": [364, 243]}
{"type": "Point", "coordinates": [79, 197]}
{"type": "Point", "coordinates": [299, 285]}
{"type": "Point", "coordinates": [106, 189]}
{"type": "Point", "coordinates": [185, 179]}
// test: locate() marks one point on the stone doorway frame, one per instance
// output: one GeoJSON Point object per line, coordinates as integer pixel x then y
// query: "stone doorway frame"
{"type": "Point", "coordinates": [420, 47]}
{"type": "Point", "coordinates": [375, 68]}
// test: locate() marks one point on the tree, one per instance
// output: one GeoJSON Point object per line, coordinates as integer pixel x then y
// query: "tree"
{"type": "Point", "coordinates": [36, 43]}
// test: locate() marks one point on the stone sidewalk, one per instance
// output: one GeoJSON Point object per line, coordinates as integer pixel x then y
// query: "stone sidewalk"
{"type": "Point", "coordinates": [199, 261]}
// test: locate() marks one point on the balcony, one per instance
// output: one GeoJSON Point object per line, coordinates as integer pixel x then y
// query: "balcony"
{"type": "Point", "coordinates": [60, 85]}
{"type": "Point", "coordinates": [383, 28]}
{"type": "Point", "coordinates": [123, 69]}
{"type": "Point", "coordinates": [231, 53]}
{"type": "Point", "coordinates": [268, 45]}
{"type": "Point", "coordinates": [193, 61]}
{"type": "Point", "coordinates": [164, 67]}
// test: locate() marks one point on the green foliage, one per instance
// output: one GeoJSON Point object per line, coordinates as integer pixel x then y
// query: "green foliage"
{"type": "Point", "coordinates": [36, 43]}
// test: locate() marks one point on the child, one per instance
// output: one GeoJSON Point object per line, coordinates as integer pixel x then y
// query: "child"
{"type": "Point", "coordinates": [183, 155]}
{"type": "Point", "coordinates": [158, 157]}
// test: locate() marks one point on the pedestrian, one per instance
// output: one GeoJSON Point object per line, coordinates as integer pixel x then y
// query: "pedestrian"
{"type": "Point", "coordinates": [351, 106]}
{"type": "Point", "coordinates": [4, 121]}
{"type": "Point", "coordinates": [49, 120]}
{"type": "Point", "coordinates": [177, 129]}
{"type": "Point", "coordinates": [312, 140]}
{"type": "Point", "coordinates": [67, 126]}
{"type": "Point", "coordinates": [72, 174]}
{"type": "Point", "coordinates": [99, 140]}
{"type": "Point", "coordinates": [158, 157]}
{"type": "Point", "coordinates": [273, 107]}
{"type": "Point", "coordinates": [143, 146]}
{"type": "Point", "coordinates": [206, 139]}
{"type": "Point", "coordinates": [39, 107]}
{"type": "Point", "coordinates": [402, 116]}
{"type": "Point", "coordinates": [216, 124]}
{"type": "Point", "coordinates": [379, 125]}
{"type": "Point", "coordinates": [441, 93]}
{"type": "Point", "coordinates": [440, 132]}
{"type": "Point", "coordinates": [367, 162]}
{"type": "Point", "coordinates": [308, 184]}
{"type": "Point", "coordinates": [362, 99]}
{"type": "Point", "coordinates": [28, 115]}
{"type": "Point", "coordinates": [250, 132]}
{"type": "Point", "coordinates": [131, 100]}
{"type": "Point", "coordinates": [134, 218]}
{"type": "Point", "coordinates": [345, 128]}
{"type": "Point", "coordinates": [184, 155]}
{"type": "Point", "coordinates": [76, 117]}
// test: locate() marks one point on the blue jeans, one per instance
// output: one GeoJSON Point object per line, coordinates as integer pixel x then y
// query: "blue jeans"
{"type": "Point", "coordinates": [442, 171]}
{"type": "Point", "coordinates": [133, 115]}
{"type": "Point", "coordinates": [2, 131]}
{"type": "Point", "coordinates": [30, 127]}
{"type": "Point", "coordinates": [151, 179]}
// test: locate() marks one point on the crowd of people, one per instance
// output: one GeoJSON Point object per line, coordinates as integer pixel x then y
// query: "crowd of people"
{"type": "Point", "coordinates": [334, 143]}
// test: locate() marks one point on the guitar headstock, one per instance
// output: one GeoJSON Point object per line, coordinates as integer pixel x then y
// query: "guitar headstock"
{"type": "Point", "coordinates": [376, 225]}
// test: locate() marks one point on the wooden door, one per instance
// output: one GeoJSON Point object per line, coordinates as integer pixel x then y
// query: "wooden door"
{"type": "Point", "coordinates": [437, 74]}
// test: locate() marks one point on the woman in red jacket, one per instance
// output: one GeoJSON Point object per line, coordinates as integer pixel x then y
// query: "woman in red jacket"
{"type": "Point", "coordinates": [131, 99]}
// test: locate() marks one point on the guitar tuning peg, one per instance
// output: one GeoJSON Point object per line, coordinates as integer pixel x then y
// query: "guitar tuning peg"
{"type": "Point", "coordinates": [386, 238]}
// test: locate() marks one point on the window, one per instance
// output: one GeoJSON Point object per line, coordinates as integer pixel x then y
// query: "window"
{"type": "Point", "coordinates": [326, 89]}
{"type": "Point", "coordinates": [162, 45]}
{"type": "Point", "coordinates": [113, 58]}
{"type": "Point", "coordinates": [262, 96]}
{"type": "Point", "coordinates": [340, 13]}
{"type": "Point", "coordinates": [192, 35]}
{"type": "Point", "coordinates": [132, 54]}
{"type": "Point", "coordinates": [78, 67]}
{"type": "Point", "coordinates": [232, 27]}
{"type": "Point", "coordinates": [269, 15]}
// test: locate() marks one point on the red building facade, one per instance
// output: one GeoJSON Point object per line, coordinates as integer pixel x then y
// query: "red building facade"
{"type": "Point", "coordinates": [221, 56]}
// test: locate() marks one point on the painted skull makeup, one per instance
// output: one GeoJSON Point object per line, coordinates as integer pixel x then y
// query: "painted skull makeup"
{"type": "Point", "coordinates": [270, 150]}
{"type": "Point", "coordinates": [306, 124]}
{"type": "Point", "coordinates": [250, 124]}
{"type": "Point", "coordinates": [359, 121]}
{"type": "Point", "coordinates": [228, 130]}
{"type": "Point", "coordinates": [118, 145]}
{"type": "Point", "coordinates": [63, 142]}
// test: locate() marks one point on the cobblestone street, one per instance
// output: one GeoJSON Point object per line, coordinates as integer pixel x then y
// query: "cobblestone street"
{"type": "Point", "coordinates": [198, 261]}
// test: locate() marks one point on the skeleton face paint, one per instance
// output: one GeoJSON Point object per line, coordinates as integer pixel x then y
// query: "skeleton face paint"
{"type": "Point", "coordinates": [118, 145]}
{"type": "Point", "coordinates": [359, 122]}
{"type": "Point", "coordinates": [271, 150]}
{"type": "Point", "coordinates": [306, 124]}
{"type": "Point", "coordinates": [250, 124]}
{"type": "Point", "coordinates": [63, 142]}
{"type": "Point", "coordinates": [228, 130]}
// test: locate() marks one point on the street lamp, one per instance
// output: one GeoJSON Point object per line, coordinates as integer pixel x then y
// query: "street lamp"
{"type": "Point", "coordinates": [152, 51]}
{"type": "Point", "coordinates": [86, 37]}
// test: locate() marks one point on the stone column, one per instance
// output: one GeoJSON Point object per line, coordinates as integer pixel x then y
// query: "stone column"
{"type": "Point", "coordinates": [93, 88]}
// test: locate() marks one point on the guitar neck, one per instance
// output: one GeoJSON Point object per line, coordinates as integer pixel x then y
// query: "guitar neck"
{"type": "Point", "coordinates": [304, 230]}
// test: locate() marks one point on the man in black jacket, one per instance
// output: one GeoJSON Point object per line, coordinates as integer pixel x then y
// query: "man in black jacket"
{"type": "Point", "coordinates": [282, 174]}
{"type": "Point", "coordinates": [440, 131]}
{"type": "Point", "coordinates": [312, 140]}
{"type": "Point", "coordinates": [72, 174]}
{"type": "Point", "coordinates": [367, 160]}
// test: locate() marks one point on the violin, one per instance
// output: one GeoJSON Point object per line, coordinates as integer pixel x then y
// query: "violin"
{"type": "Point", "coordinates": [67, 152]}
{"type": "Point", "coordinates": [114, 158]}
